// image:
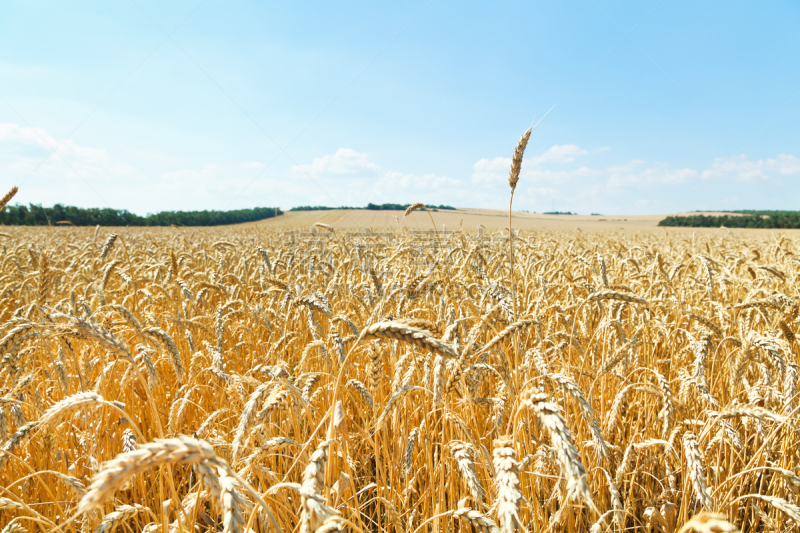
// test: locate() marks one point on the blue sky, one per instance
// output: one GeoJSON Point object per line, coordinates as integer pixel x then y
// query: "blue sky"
{"type": "Point", "coordinates": [659, 106]}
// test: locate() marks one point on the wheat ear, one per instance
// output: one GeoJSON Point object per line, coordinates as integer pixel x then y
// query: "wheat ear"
{"type": "Point", "coordinates": [705, 522]}
{"type": "Point", "coordinates": [507, 332]}
{"type": "Point", "coordinates": [108, 245]}
{"type": "Point", "coordinates": [697, 470]}
{"type": "Point", "coordinates": [315, 512]}
{"type": "Point", "coordinates": [9, 195]}
{"type": "Point", "coordinates": [402, 332]}
{"type": "Point", "coordinates": [792, 510]}
{"type": "Point", "coordinates": [507, 484]}
{"type": "Point", "coordinates": [118, 472]}
{"type": "Point", "coordinates": [568, 455]}
{"type": "Point", "coordinates": [392, 403]}
{"type": "Point", "coordinates": [463, 454]}
{"type": "Point", "coordinates": [615, 295]}
{"type": "Point", "coordinates": [122, 513]}
{"type": "Point", "coordinates": [479, 521]}
{"type": "Point", "coordinates": [248, 417]}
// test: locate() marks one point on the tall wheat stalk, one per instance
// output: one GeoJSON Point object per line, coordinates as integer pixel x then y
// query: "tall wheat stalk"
{"type": "Point", "coordinates": [513, 178]}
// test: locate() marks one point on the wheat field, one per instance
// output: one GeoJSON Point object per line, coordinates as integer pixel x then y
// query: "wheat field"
{"type": "Point", "coordinates": [234, 379]}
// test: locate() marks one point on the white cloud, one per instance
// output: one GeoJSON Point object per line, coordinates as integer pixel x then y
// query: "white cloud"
{"type": "Point", "coordinates": [490, 169]}
{"type": "Point", "coordinates": [662, 173]}
{"type": "Point", "coordinates": [564, 177]}
{"type": "Point", "coordinates": [346, 177]}
{"type": "Point", "coordinates": [424, 182]}
{"type": "Point", "coordinates": [82, 175]}
{"type": "Point", "coordinates": [564, 153]}
{"type": "Point", "coordinates": [374, 184]}
{"type": "Point", "coordinates": [586, 172]}
{"type": "Point", "coordinates": [789, 164]}
{"type": "Point", "coordinates": [574, 176]}
{"type": "Point", "coordinates": [344, 161]}
{"type": "Point", "coordinates": [740, 168]}
{"type": "Point", "coordinates": [625, 167]}
{"type": "Point", "coordinates": [38, 143]}
{"type": "Point", "coordinates": [23, 149]}
{"type": "Point", "coordinates": [632, 173]}
{"type": "Point", "coordinates": [13, 134]}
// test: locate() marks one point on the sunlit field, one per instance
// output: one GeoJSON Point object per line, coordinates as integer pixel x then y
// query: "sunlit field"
{"type": "Point", "coordinates": [240, 379]}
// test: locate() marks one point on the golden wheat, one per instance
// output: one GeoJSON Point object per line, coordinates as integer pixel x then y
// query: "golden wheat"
{"type": "Point", "coordinates": [188, 378]}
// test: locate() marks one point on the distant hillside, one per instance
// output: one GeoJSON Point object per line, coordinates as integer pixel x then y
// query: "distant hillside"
{"type": "Point", "coordinates": [36, 215]}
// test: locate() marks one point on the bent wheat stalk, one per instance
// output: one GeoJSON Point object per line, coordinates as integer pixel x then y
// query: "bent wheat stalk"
{"type": "Point", "coordinates": [405, 333]}
{"type": "Point", "coordinates": [567, 454]}
{"type": "Point", "coordinates": [118, 472]}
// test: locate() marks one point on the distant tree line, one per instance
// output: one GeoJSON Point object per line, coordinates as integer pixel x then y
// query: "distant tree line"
{"type": "Point", "coordinates": [402, 207]}
{"type": "Point", "coordinates": [759, 219]}
{"type": "Point", "coordinates": [318, 208]}
{"type": "Point", "coordinates": [769, 213]}
{"type": "Point", "coordinates": [370, 206]}
{"type": "Point", "coordinates": [559, 213]}
{"type": "Point", "coordinates": [36, 215]}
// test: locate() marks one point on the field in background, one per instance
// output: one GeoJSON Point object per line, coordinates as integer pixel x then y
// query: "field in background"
{"type": "Point", "coordinates": [469, 219]}
{"type": "Point", "coordinates": [466, 219]}
{"type": "Point", "coordinates": [268, 376]}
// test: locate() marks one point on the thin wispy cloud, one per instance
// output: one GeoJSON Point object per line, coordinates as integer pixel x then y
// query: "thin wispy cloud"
{"type": "Point", "coordinates": [565, 153]}
{"type": "Point", "coordinates": [22, 150]}
{"type": "Point", "coordinates": [344, 162]}
{"type": "Point", "coordinates": [357, 180]}
{"type": "Point", "coordinates": [33, 144]}
{"type": "Point", "coordinates": [580, 178]}
{"type": "Point", "coordinates": [584, 180]}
